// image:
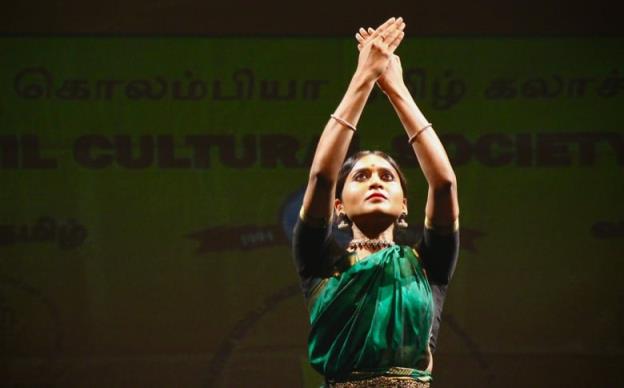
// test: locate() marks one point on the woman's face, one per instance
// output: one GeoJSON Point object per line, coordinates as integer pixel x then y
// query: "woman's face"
{"type": "Point", "coordinates": [372, 189]}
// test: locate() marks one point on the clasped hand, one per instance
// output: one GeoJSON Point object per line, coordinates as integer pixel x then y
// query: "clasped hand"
{"type": "Point", "coordinates": [377, 59]}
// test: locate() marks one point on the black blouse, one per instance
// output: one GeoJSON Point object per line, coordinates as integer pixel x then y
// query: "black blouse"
{"type": "Point", "coordinates": [316, 251]}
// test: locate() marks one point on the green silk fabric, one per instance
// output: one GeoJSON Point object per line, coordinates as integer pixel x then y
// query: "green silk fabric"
{"type": "Point", "coordinates": [375, 315]}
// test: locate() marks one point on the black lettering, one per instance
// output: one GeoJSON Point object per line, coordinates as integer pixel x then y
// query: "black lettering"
{"type": "Point", "coordinates": [32, 157]}
{"type": "Point", "coordinates": [458, 148]}
{"type": "Point", "coordinates": [312, 88]}
{"type": "Point", "coordinates": [84, 146]}
{"type": "Point", "coordinates": [195, 90]}
{"type": "Point", "coordinates": [416, 81]}
{"type": "Point", "coordinates": [201, 149]}
{"type": "Point", "coordinates": [538, 88]}
{"type": "Point", "coordinates": [485, 153]}
{"type": "Point", "coordinates": [552, 150]}
{"type": "Point", "coordinates": [33, 83]}
{"type": "Point", "coordinates": [587, 147]}
{"type": "Point", "coordinates": [276, 148]}
{"type": "Point", "coordinates": [524, 150]}
{"type": "Point", "coordinates": [500, 88]}
{"type": "Point", "coordinates": [616, 141]}
{"type": "Point", "coordinates": [270, 90]}
{"type": "Point", "coordinates": [105, 89]}
{"type": "Point", "coordinates": [607, 230]}
{"type": "Point", "coordinates": [247, 159]}
{"type": "Point", "coordinates": [611, 85]}
{"type": "Point", "coordinates": [9, 155]}
{"type": "Point", "coordinates": [74, 89]}
{"type": "Point", "coordinates": [577, 87]}
{"type": "Point", "coordinates": [166, 154]}
{"type": "Point", "coordinates": [124, 151]}
{"type": "Point", "coordinates": [311, 149]}
{"type": "Point", "coordinates": [446, 96]}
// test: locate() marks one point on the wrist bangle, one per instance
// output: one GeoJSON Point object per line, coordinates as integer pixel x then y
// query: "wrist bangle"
{"type": "Point", "coordinates": [414, 136]}
{"type": "Point", "coordinates": [343, 122]}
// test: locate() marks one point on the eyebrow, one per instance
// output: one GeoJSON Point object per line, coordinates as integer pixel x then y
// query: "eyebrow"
{"type": "Point", "coordinates": [355, 171]}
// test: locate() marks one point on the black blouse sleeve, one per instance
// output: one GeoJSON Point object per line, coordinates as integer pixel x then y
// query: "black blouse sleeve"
{"type": "Point", "coordinates": [439, 250]}
{"type": "Point", "coordinates": [313, 248]}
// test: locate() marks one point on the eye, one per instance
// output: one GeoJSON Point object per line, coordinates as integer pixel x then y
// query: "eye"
{"type": "Point", "coordinates": [387, 176]}
{"type": "Point", "coordinates": [359, 176]}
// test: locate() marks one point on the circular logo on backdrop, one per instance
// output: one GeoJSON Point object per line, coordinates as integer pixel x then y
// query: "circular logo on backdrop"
{"type": "Point", "coordinates": [290, 212]}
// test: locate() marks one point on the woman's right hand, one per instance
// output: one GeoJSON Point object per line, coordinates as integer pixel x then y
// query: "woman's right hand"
{"type": "Point", "coordinates": [379, 48]}
{"type": "Point", "coordinates": [392, 78]}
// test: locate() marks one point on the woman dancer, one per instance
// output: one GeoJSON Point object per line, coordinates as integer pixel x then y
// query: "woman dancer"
{"type": "Point", "coordinates": [375, 305]}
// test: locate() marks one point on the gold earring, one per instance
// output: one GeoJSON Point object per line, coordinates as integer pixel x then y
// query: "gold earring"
{"type": "Point", "coordinates": [402, 220]}
{"type": "Point", "coordinates": [344, 222]}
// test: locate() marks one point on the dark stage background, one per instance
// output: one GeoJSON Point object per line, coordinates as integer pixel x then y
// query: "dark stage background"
{"type": "Point", "coordinates": [153, 157]}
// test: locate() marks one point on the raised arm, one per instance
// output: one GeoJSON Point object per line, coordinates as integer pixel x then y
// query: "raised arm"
{"type": "Point", "coordinates": [442, 208]}
{"type": "Point", "coordinates": [336, 137]}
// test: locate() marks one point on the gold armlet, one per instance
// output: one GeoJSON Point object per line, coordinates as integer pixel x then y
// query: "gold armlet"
{"type": "Point", "coordinates": [442, 229]}
{"type": "Point", "coordinates": [312, 221]}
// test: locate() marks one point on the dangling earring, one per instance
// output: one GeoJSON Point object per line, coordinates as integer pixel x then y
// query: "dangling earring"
{"type": "Point", "coordinates": [344, 222]}
{"type": "Point", "coordinates": [402, 220]}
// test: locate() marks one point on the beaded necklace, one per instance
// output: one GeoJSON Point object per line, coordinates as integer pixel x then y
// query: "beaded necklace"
{"type": "Point", "coordinates": [371, 244]}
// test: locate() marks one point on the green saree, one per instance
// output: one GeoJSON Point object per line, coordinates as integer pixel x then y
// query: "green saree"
{"type": "Point", "coordinates": [373, 319]}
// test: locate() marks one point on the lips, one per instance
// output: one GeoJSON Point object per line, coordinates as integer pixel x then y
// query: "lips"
{"type": "Point", "coordinates": [376, 195]}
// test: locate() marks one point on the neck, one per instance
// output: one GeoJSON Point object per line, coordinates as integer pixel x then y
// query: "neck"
{"type": "Point", "coordinates": [385, 234]}
{"type": "Point", "coordinates": [359, 234]}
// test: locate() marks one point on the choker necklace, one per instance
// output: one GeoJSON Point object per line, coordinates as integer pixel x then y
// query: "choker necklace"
{"type": "Point", "coordinates": [371, 244]}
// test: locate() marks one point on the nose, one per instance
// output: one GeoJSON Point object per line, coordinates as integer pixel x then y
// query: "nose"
{"type": "Point", "coordinates": [376, 181]}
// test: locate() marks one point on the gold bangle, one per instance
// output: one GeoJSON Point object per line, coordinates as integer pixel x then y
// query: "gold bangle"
{"type": "Point", "coordinates": [343, 122]}
{"type": "Point", "coordinates": [414, 136]}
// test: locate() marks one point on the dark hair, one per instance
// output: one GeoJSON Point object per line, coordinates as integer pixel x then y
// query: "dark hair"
{"type": "Point", "coordinates": [348, 165]}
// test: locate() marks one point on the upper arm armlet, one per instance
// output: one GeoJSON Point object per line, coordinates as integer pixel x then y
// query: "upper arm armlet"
{"type": "Point", "coordinates": [312, 221]}
{"type": "Point", "coordinates": [442, 229]}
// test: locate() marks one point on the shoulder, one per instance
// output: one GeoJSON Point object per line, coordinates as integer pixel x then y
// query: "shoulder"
{"type": "Point", "coordinates": [431, 231]}
{"type": "Point", "coordinates": [439, 250]}
{"type": "Point", "coordinates": [437, 235]}
{"type": "Point", "coordinates": [312, 222]}
{"type": "Point", "coordinates": [315, 248]}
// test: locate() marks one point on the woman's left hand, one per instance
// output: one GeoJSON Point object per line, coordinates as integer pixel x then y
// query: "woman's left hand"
{"type": "Point", "coordinates": [392, 77]}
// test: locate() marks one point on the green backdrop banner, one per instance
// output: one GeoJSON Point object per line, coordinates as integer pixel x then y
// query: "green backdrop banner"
{"type": "Point", "coordinates": [149, 187]}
